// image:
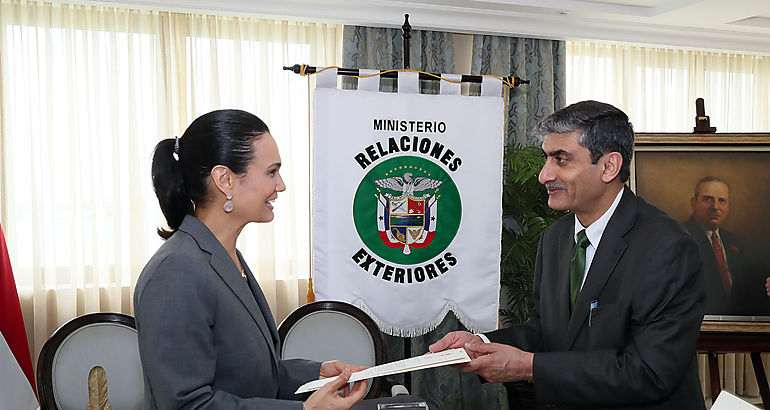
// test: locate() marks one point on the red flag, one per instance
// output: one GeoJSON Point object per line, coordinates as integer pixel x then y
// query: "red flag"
{"type": "Point", "coordinates": [11, 320]}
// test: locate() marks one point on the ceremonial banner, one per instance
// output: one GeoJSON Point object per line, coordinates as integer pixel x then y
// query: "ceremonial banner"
{"type": "Point", "coordinates": [407, 206]}
{"type": "Point", "coordinates": [17, 382]}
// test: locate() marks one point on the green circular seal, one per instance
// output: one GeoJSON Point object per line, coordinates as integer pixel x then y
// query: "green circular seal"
{"type": "Point", "coordinates": [407, 210]}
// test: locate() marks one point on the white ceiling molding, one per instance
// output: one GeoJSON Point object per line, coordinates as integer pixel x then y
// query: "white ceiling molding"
{"type": "Point", "coordinates": [743, 26]}
{"type": "Point", "coordinates": [647, 8]}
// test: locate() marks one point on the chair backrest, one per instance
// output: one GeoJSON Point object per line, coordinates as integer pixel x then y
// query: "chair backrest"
{"type": "Point", "coordinates": [97, 339]}
{"type": "Point", "coordinates": [328, 330]}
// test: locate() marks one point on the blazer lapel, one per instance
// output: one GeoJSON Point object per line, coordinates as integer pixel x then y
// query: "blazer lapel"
{"type": "Point", "coordinates": [225, 268]}
{"type": "Point", "coordinates": [611, 249]}
{"type": "Point", "coordinates": [264, 307]}
{"type": "Point", "coordinates": [565, 246]}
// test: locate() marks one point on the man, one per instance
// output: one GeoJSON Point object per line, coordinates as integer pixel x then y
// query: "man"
{"type": "Point", "coordinates": [730, 287]}
{"type": "Point", "coordinates": [615, 325]}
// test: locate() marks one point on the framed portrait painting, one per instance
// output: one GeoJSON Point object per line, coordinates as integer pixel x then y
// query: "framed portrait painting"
{"type": "Point", "coordinates": [718, 187]}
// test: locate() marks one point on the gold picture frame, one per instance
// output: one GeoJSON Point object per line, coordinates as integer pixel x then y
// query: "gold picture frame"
{"type": "Point", "coordinates": [664, 171]}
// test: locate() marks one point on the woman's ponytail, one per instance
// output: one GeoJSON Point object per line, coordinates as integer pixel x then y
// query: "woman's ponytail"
{"type": "Point", "coordinates": [168, 182]}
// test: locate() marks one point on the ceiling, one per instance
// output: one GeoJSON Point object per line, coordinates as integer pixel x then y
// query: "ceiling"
{"type": "Point", "coordinates": [736, 25]}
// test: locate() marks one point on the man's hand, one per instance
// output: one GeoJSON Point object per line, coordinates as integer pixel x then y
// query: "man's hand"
{"type": "Point", "coordinates": [453, 340]}
{"type": "Point", "coordinates": [767, 285]}
{"type": "Point", "coordinates": [499, 363]}
{"type": "Point", "coordinates": [334, 368]}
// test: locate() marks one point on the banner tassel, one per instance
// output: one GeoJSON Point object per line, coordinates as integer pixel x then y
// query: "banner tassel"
{"type": "Point", "coordinates": [425, 327]}
{"type": "Point", "coordinates": [310, 294]}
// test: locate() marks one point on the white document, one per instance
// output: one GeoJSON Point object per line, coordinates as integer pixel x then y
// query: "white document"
{"type": "Point", "coordinates": [727, 401]}
{"type": "Point", "coordinates": [426, 361]}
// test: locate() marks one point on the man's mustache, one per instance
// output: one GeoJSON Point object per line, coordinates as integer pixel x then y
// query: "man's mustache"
{"type": "Point", "coordinates": [553, 186]}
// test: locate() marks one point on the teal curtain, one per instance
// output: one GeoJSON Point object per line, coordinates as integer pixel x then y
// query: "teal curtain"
{"type": "Point", "coordinates": [542, 62]}
{"type": "Point", "coordinates": [383, 49]}
{"type": "Point", "coordinates": [444, 388]}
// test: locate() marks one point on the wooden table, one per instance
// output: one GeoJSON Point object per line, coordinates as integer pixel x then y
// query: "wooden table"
{"type": "Point", "coordinates": [736, 337]}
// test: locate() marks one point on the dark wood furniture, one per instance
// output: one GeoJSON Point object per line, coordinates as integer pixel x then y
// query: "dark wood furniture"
{"type": "Point", "coordinates": [736, 337]}
{"type": "Point", "coordinates": [757, 139]}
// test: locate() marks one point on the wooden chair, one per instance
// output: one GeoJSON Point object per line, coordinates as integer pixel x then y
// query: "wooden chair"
{"type": "Point", "coordinates": [67, 369]}
{"type": "Point", "coordinates": [328, 330]}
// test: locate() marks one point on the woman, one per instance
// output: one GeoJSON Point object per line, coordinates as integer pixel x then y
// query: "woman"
{"type": "Point", "coordinates": [207, 339]}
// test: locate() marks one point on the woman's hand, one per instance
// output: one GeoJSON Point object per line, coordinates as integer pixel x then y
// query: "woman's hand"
{"type": "Point", "coordinates": [336, 395]}
{"type": "Point", "coordinates": [334, 368]}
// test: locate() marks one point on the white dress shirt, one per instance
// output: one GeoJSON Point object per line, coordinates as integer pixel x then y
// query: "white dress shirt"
{"type": "Point", "coordinates": [594, 233]}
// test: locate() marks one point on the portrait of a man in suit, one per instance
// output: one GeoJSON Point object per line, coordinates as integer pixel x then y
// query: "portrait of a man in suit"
{"type": "Point", "coordinates": [731, 288]}
{"type": "Point", "coordinates": [618, 284]}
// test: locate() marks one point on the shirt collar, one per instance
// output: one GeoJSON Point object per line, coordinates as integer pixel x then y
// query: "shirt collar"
{"type": "Point", "coordinates": [595, 231]}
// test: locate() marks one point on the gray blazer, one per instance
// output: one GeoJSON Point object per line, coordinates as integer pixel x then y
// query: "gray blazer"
{"type": "Point", "coordinates": [207, 339]}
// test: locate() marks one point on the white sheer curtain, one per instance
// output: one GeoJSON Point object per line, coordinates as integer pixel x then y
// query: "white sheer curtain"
{"type": "Point", "coordinates": [657, 88]}
{"type": "Point", "coordinates": [86, 93]}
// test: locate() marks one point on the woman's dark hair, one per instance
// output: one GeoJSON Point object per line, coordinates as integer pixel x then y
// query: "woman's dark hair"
{"type": "Point", "coordinates": [181, 168]}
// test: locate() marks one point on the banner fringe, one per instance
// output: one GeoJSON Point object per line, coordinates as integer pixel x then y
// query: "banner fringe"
{"type": "Point", "coordinates": [424, 328]}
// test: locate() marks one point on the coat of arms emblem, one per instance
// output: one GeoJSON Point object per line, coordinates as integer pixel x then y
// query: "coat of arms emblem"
{"type": "Point", "coordinates": [408, 218]}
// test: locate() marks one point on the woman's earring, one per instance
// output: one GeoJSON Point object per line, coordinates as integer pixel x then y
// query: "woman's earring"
{"type": "Point", "coordinates": [229, 203]}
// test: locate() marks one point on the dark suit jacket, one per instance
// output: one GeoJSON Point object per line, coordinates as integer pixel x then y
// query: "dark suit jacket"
{"type": "Point", "coordinates": [746, 291]}
{"type": "Point", "coordinates": [207, 339]}
{"type": "Point", "coordinates": [639, 350]}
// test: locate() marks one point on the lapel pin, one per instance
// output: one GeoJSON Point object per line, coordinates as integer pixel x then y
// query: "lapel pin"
{"type": "Point", "coordinates": [594, 305]}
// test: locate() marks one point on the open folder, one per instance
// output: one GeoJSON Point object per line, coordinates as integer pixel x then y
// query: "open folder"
{"type": "Point", "coordinates": [426, 361]}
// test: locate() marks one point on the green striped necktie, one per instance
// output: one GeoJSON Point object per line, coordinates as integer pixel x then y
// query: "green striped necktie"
{"type": "Point", "coordinates": [577, 266]}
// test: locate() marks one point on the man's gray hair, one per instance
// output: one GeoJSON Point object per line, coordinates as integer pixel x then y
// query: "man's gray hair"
{"type": "Point", "coordinates": [602, 129]}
